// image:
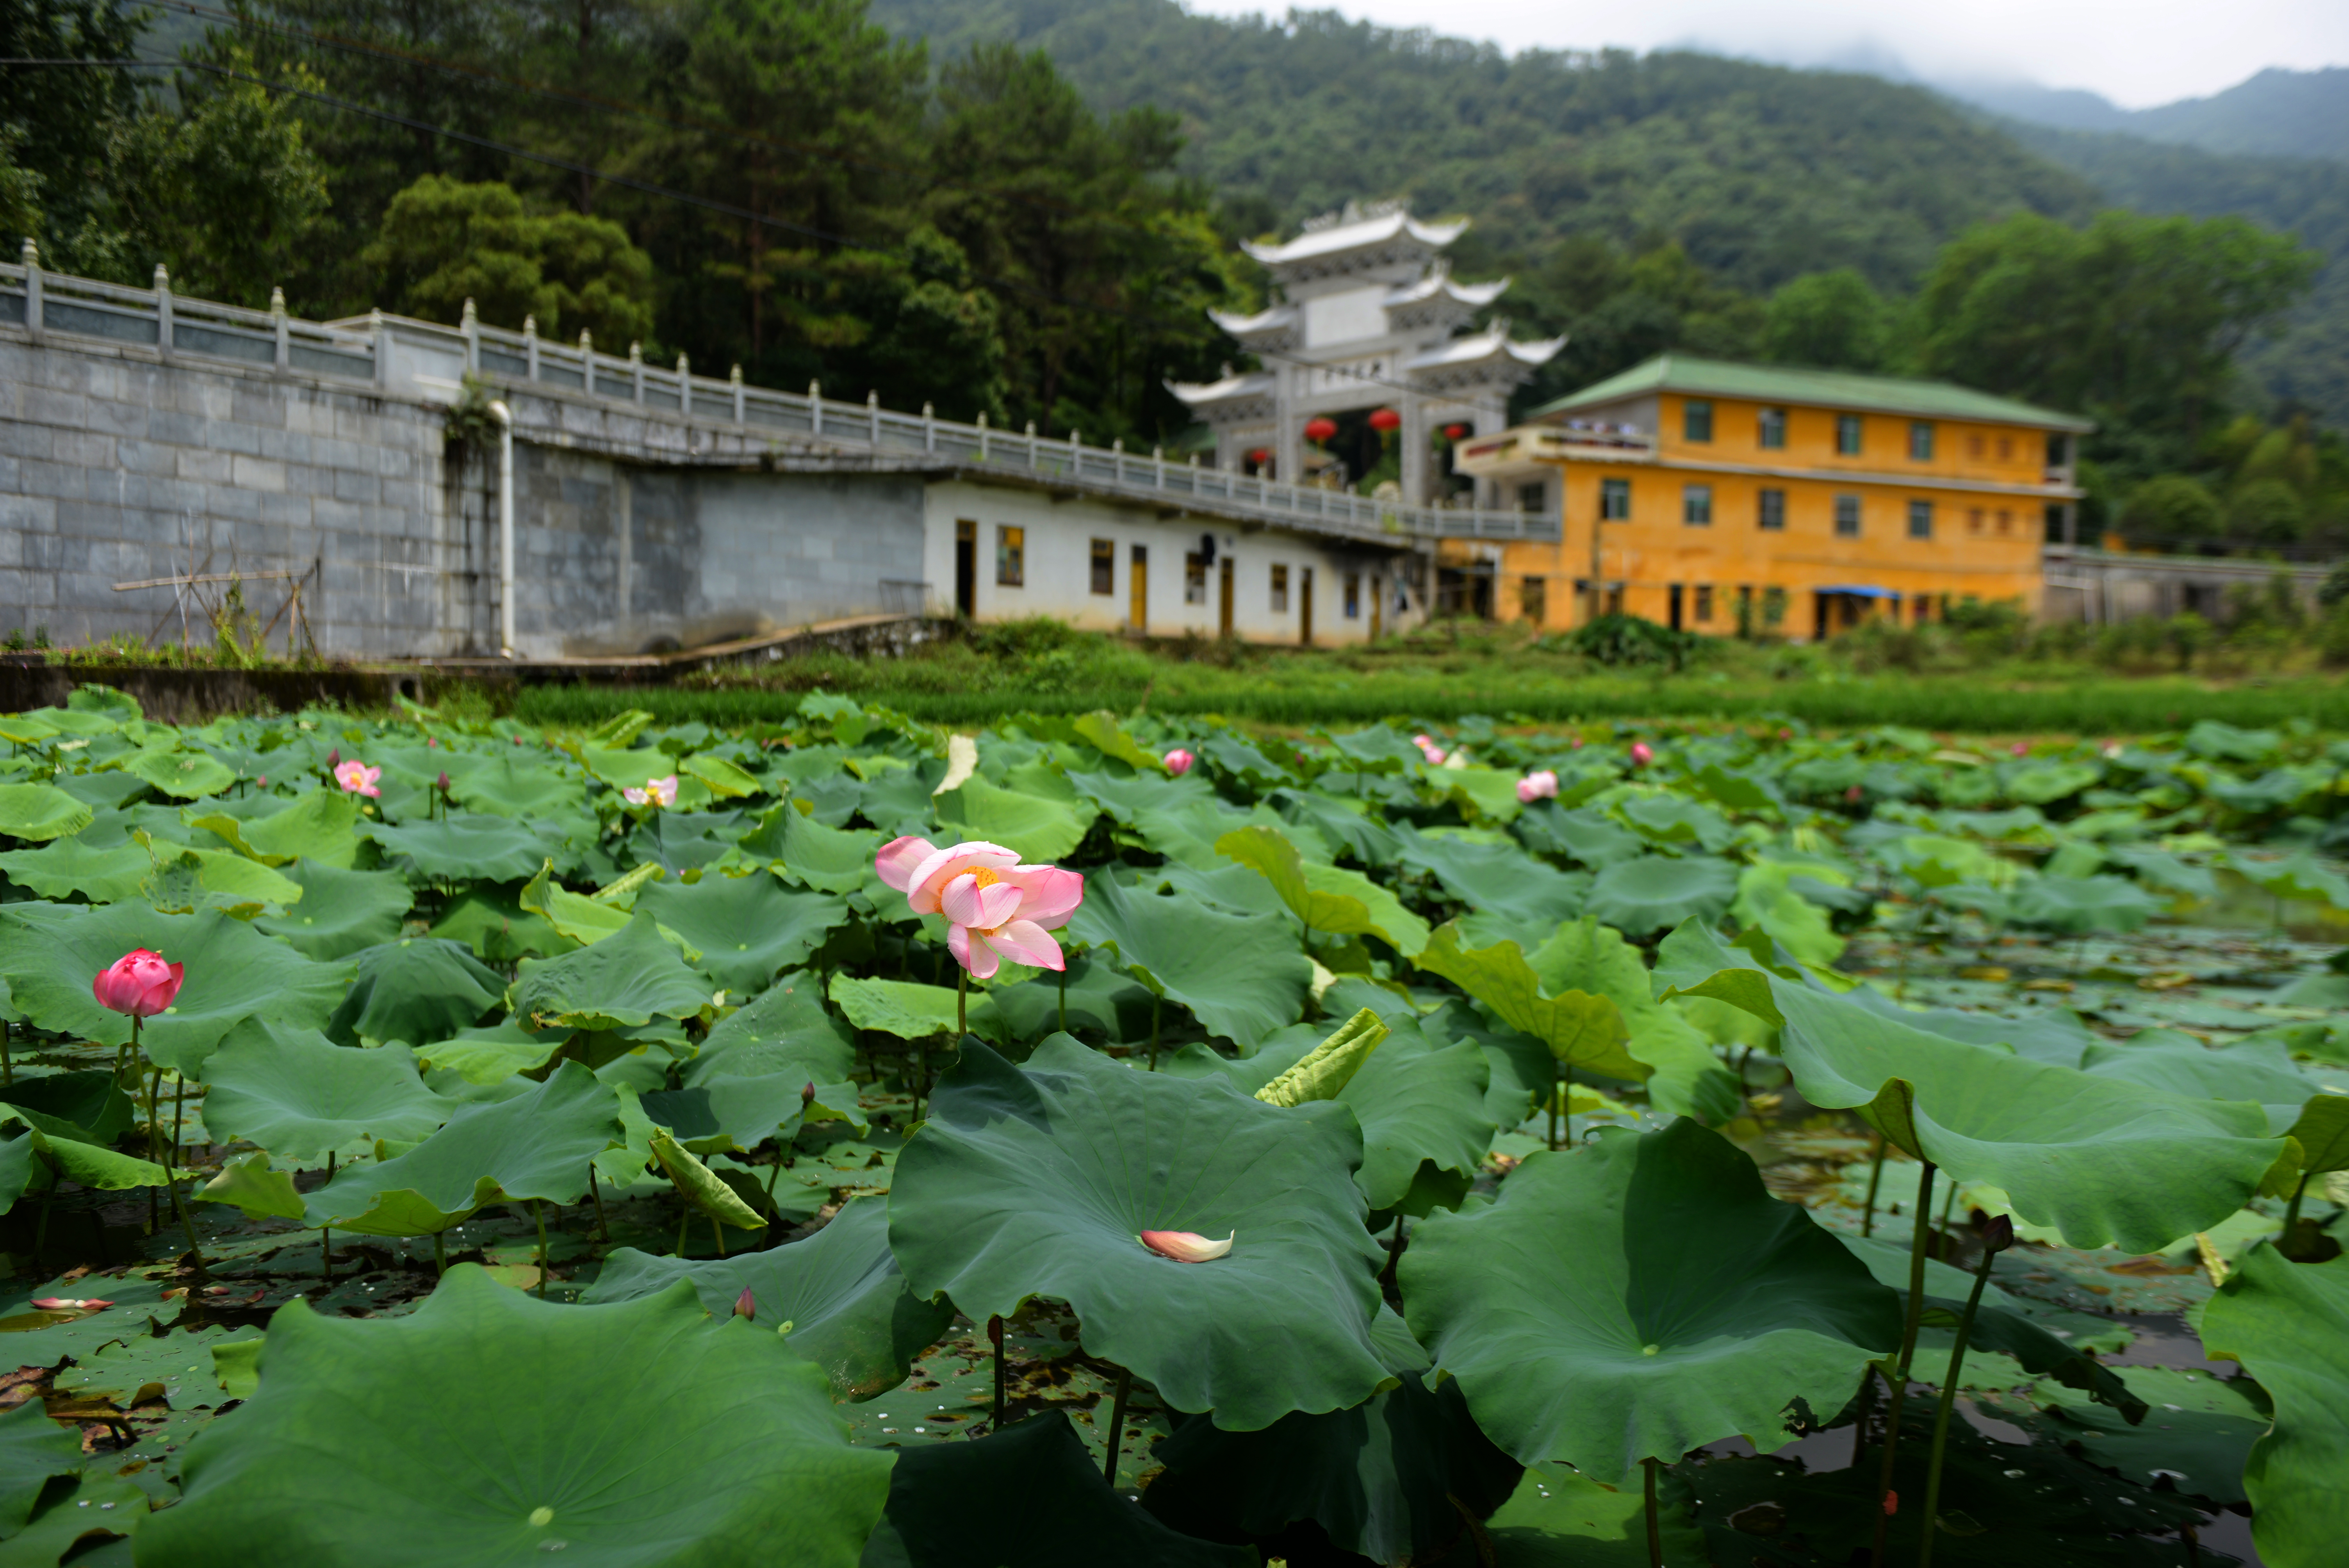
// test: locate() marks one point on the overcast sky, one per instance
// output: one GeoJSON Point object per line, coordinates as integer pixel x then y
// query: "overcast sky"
{"type": "Point", "coordinates": [2138, 53]}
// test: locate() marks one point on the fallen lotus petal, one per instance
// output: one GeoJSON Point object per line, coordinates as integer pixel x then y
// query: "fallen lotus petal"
{"type": "Point", "coordinates": [68, 1303]}
{"type": "Point", "coordinates": [1186, 1246]}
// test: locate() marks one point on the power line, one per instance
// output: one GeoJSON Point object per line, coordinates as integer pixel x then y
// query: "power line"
{"type": "Point", "coordinates": [708, 203]}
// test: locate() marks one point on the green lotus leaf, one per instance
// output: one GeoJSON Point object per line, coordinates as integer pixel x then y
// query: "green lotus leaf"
{"type": "Point", "coordinates": [829, 859]}
{"type": "Point", "coordinates": [1381, 749]}
{"type": "Point", "coordinates": [729, 1115]}
{"type": "Point", "coordinates": [1653, 893]}
{"type": "Point", "coordinates": [2095, 1157]}
{"type": "Point", "coordinates": [1671, 819]}
{"type": "Point", "coordinates": [33, 1449]}
{"type": "Point", "coordinates": [2322, 1130]}
{"type": "Point", "coordinates": [182, 775]}
{"type": "Point", "coordinates": [87, 1105]}
{"type": "Point", "coordinates": [910, 1010]}
{"type": "Point", "coordinates": [1496, 880]}
{"type": "Point", "coordinates": [249, 1183]}
{"type": "Point", "coordinates": [1484, 795]}
{"type": "Point", "coordinates": [318, 826]}
{"type": "Point", "coordinates": [2261, 1071]}
{"type": "Point", "coordinates": [2076, 905]}
{"type": "Point", "coordinates": [340, 912]}
{"type": "Point", "coordinates": [536, 1145]}
{"type": "Point", "coordinates": [186, 879]}
{"type": "Point", "coordinates": [1688, 1079]}
{"type": "Point", "coordinates": [623, 766]}
{"type": "Point", "coordinates": [702, 1187]}
{"type": "Point", "coordinates": [2297, 876]}
{"type": "Point", "coordinates": [463, 847]}
{"type": "Point", "coordinates": [514, 783]}
{"type": "Point", "coordinates": [1326, 900]}
{"type": "Point", "coordinates": [1580, 1030]}
{"type": "Point", "coordinates": [1380, 1479]}
{"type": "Point", "coordinates": [725, 780]}
{"type": "Point", "coordinates": [1101, 730]}
{"type": "Point", "coordinates": [41, 812]}
{"type": "Point", "coordinates": [1039, 1180]}
{"type": "Point", "coordinates": [49, 954]}
{"type": "Point", "coordinates": [492, 1054]}
{"type": "Point", "coordinates": [36, 1160]}
{"type": "Point", "coordinates": [1241, 975]}
{"type": "Point", "coordinates": [416, 989]}
{"type": "Point", "coordinates": [624, 981]}
{"type": "Point", "coordinates": [1584, 836]}
{"type": "Point", "coordinates": [840, 1290]}
{"type": "Point", "coordinates": [1640, 1297]}
{"type": "Point", "coordinates": [294, 1093]}
{"type": "Point", "coordinates": [784, 1029]}
{"type": "Point", "coordinates": [70, 867]}
{"type": "Point", "coordinates": [1036, 812]}
{"type": "Point", "coordinates": [496, 1424]}
{"type": "Point", "coordinates": [1346, 826]}
{"type": "Point", "coordinates": [2043, 783]}
{"type": "Point", "coordinates": [749, 929]}
{"type": "Point", "coordinates": [2288, 1324]}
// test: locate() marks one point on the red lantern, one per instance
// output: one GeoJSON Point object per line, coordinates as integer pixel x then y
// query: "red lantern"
{"type": "Point", "coordinates": [1455, 431]}
{"type": "Point", "coordinates": [1318, 430]}
{"type": "Point", "coordinates": [1385, 419]}
{"type": "Point", "coordinates": [1259, 455]}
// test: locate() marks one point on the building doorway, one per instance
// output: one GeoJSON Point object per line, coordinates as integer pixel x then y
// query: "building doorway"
{"type": "Point", "coordinates": [966, 568]}
{"type": "Point", "coordinates": [1224, 608]}
{"type": "Point", "coordinates": [1672, 607]}
{"type": "Point", "coordinates": [1305, 607]}
{"type": "Point", "coordinates": [1137, 591]}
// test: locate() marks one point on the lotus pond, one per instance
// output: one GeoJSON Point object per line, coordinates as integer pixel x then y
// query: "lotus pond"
{"type": "Point", "coordinates": [426, 1142]}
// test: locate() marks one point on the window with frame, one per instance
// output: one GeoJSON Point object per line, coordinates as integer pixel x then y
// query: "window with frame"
{"type": "Point", "coordinates": [1353, 595]}
{"type": "Point", "coordinates": [1976, 447]}
{"type": "Point", "coordinates": [1010, 556]}
{"type": "Point", "coordinates": [1846, 517]}
{"type": "Point", "coordinates": [2005, 521]}
{"type": "Point", "coordinates": [1921, 440]}
{"type": "Point", "coordinates": [1705, 602]}
{"type": "Point", "coordinates": [1772, 515]}
{"type": "Point", "coordinates": [1920, 519]}
{"type": "Point", "coordinates": [1280, 590]}
{"type": "Point", "coordinates": [1104, 566]}
{"type": "Point", "coordinates": [1974, 516]}
{"type": "Point", "coordinates": [1533, 599]}
{"type": "Point", "coordinates": [1614, 501]}
{"type": "Point", "coordinates": [1772, 431]}
{"type": "Point", "coordinates": [1534, 497]}
{"type": "Point", "coordinates": [1848, 431]}
{"type": "Point", "coordinates": [1194, 578]}
{"type": "Point", "coordinates": [2006, 455]}
{"type": "Point", "coordinates": [1696, 505]}
{"type": "Point", "coordinates": [1696, 420]}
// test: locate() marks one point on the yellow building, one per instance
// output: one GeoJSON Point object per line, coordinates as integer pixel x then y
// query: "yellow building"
{"type": "Point", "coordinates": [1709, 496]}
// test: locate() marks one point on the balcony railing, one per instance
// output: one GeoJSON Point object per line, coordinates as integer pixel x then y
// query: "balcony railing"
{"type": "Point", "coordinates": [381, 350]}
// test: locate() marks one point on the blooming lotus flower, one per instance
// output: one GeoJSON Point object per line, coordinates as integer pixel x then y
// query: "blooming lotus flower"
{"type": "Point", "coordinates": [1178, 762]}
{"type": "Point", "coordinates": [655, 792]}
{"type": "Point", "coordinates": [2020, 749]}
{"type": "Point", "coordinates": [1540, 785]}
{"type": "Point", "coordinates": [356, 777]}
{"type": "Point", "coordinates": [995, 907]}
{"type": "Point", "coordinates": [1642, 754]}
{"type": "Point", "coordinates": [1429, 749]}
{"type": "Point", "coordinates": [1186, 1246]}
{"type": "Point", "coordinates": [138, 983]}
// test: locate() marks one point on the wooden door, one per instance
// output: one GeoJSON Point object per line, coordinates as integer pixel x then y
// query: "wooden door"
{"type": "Point", "coordinates": [1224, 617]}
{"type": "Point", "coordinates": [1305, 607]}
{"type": "Point", "coordinates": [1137, 590]}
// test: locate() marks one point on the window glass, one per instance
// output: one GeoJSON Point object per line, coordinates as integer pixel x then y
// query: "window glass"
{"type": "Point", "coordinates": [1280, 590]}
{"type": "Point", "coordinates": [1194, 578]}
{"type": "Point", "coordinates": [1846, 517]}
{"type": "Point", "coordinates": [1533, 599]}
{"type": "Point", "coordinates": [1773, 509]}
{"type": "Point", "coordinates": [1696, 505]}
{"type": "Point", "coordinates": [1704, 600]}
{"type": "Point", "coordinates": [1010, 556]}
{"type": "Point", "coordinates": [1615, 500]}
{"type": "Point", "coordinates": [1104, 566]}
{"type": "Point", "coordinates": [1774, 427]}
{"type": "Point", "coordinates": [1696, 420]}
{"type": "Point", "coordinates": [1920, 519]}
{"type": "Point", "coordinates": [1921, 440]}
{"type": "Point", "coordinates": [1353, 595]}
{"type": "Point", "coordinates": [1534, 497]}
{"type": "Point", "coordinates": [1847, 434]}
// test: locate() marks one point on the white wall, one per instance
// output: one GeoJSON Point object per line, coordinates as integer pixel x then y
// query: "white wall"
{"type": "Point", "coordinates": [1059, 535]}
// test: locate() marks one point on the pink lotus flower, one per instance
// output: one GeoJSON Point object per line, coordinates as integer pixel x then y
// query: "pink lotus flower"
{"type": "Point", "coordinates": [138, 983]}
{"type": "Point", "coordinates": [2020, 749]}
{"type": "Point", "coordinates": [1855, 793]}
{"type": "Point", "coordinates": [1541, 786]}
{"type": "Point", "coordinates": [995, 907]}
{"type": "Point", "coordinates": [1429, 749]}
{"type": "Point", "coordinates": [357, 778]}
{"type": "Point", "coordinates": [655, 792]}
{"type": "Point", "coordinates": [68, 1303]}
{"type": "Point", "coordinates": [1577, 744]}
{"type": "Point", "coordinates": [1186, 1246]}
{"type": "Point", "coordinates": [1642, 754]}
{"type": "Point", "coordinates": [746, 1304]}
{"type": "Point", "coordinates": [1178, 762]}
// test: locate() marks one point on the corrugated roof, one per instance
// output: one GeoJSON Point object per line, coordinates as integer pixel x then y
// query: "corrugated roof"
{"type": "Point", "coordinates": [1820, 388]}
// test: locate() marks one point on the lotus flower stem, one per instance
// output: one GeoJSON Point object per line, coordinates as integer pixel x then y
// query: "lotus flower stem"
{"type": "Point", "coordinates": [995, 1336]}
{"type": "Point", "coordinates": [1949, 1402]}
{"type": "Point", "coordinates": [684, 1218]}
{"type": "Point", "coordinates": [1117, 1424]}
{"type": "Point", "coordinates": [1875, 1179]}
{"type": "Point", "coordinates": [538, 1211]}
{"type": "Point", "coordinates": [326, 1234]}
{"type": "Point", "coordinates": [719, 1231]}
{"type": "Point", "coordinates": [179, 1112]}
{"type": "Point", "coordinates": [1064, 998]}
{"type": "Point", "coordinates": [1157, 1003]}
{"type": "Point", "coordinates": [1655, 1520]}
{"type": "Point", "coordinates": [1555, 1076]}
{"type": "Point", "coordinates": [440, 1252]}
{"type": "Point", "coordinates": [1899, 1379]}
{"type": "Point", "coordinates": [962, 990]}
{"type": "Point", "coordinates": [8, 1067]}
{"type": "Point", "coordinates": [595, 1190]}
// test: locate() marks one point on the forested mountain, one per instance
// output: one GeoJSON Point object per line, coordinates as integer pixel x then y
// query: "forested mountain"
{"type": "Point", "coordinates": [2275, 114]}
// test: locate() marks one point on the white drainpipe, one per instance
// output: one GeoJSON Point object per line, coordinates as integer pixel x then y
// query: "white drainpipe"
{"type": "Point", "coordinates": [504, 416]}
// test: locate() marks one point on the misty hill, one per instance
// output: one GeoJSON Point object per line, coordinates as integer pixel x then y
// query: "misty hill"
{"type": "Point", "coordinates": [2275, 114]}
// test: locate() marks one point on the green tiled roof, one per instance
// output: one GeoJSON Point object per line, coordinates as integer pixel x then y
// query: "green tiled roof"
{"type": "Point", "coordinates": [1817, 388]}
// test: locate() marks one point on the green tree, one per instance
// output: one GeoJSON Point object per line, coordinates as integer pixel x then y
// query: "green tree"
{"type": "Point", "coordinates": [2135, 321]}
{"type": "Point", "coordinates": [56, 121]}
{"type": "Point", "coordinates": [2266, 511]}
{"type": "Point", "coordinates": [2171, 509]}
{"type": "Point", "coordinates": [1834, 320]}
{"type": "Point", "coordinates": [444, 241]}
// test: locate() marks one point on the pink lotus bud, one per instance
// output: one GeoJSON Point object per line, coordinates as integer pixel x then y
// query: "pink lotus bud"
{"type": "Point", "coordinates": [262, 782]}
{"type": "Point", "coordinates": [441, 783]}
{"type": "Point", "coordinates": [2020, 749]}
{"type": "Point", "coordinates": [1186, 1247]}
{"type": "Point", "coordinates": [517, 740]}
{"type": "Point", "coordinates": [1892, 1503]}
{"type": "Point", "coordinates": [745, 1306]}
{"type": "Point", "coordinates": [138, 983]}
{"type": "Point", "coordinates": [1855, 794]}
{"type": "Point", "coordinates": [1642, 754]}
{"type": "Point", "coordinates": [334, 758]}
{"type": "Point", "coordinates": [807, 1098]}
{"type": "Point", "coordinates": [430, 742]}
{"type": "Point", "coordinates": [1576, 744]}
{"type": "Point", "coordinates": [1786, 734]}
{"type": "Point", "coordinates": [1178, 762]}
